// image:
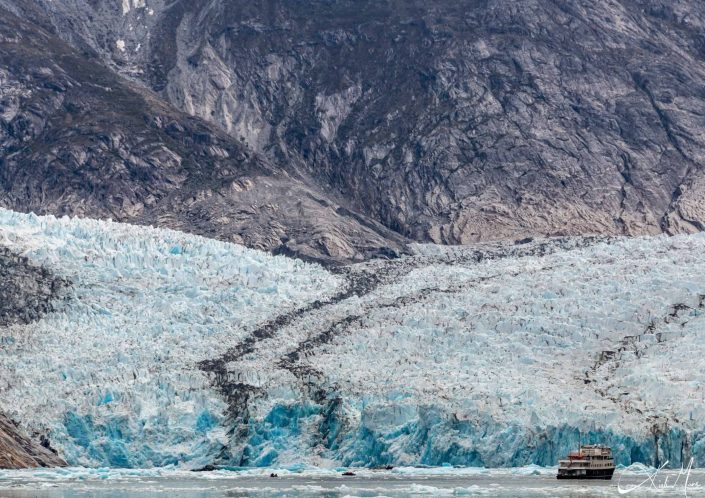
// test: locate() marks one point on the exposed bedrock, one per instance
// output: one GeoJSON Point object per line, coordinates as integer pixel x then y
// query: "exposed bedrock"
{"type": "Point", "coordinates": [26, 293]}
{"type": "Point", "coordinates": [322, 128]}
{"type": "Point", "coordinates": [78, 139]}
{"type": "Point", "coordinates": [18, 451]}
{"type": "Point", "coordinates": [450, 121]}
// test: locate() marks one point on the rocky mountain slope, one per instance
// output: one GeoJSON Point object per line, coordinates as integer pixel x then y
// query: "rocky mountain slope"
{"type": "Point", "coordinates": [18, 451]}
{"type": "Point", "coordinates": [76, 138]}
{"type": "Point", "coordinates": [445, 121]}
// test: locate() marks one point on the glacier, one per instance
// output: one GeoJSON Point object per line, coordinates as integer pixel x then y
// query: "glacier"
{"type": "Point", "coordinates": [168, 349]}
{"type": "Point", "coordinates": [111, 375]}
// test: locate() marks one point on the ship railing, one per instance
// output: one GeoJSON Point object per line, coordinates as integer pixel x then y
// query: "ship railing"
{"type": "Point", "coordinates": [574, 464]}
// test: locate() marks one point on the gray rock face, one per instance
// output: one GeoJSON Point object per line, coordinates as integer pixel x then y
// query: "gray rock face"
{"type": "Point", "coordinates": [444, 121]}
{"type": "Point", "coordinates": [26, 292]}
{"type": "Point", "coordinates": [76, 138]}
{"type": "Point", "coordinates": [17, 451]}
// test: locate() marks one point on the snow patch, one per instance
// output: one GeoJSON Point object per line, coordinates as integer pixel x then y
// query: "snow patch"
{"type": "Point", "coordinates": [128, 5]}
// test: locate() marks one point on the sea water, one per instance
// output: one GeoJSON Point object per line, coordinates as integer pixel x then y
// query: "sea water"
{"type": "Point", "coordinates": [402, 482]}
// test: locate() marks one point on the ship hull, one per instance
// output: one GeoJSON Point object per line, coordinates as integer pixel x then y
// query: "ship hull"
{"type": "Point", "coordinates": [605, 474]}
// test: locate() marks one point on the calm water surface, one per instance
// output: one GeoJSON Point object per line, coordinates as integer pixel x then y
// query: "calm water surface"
{"type": "Point", "coordinates": [525, 482]}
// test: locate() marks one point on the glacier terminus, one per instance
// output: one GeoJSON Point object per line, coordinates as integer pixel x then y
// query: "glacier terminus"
{"type": "Point", "coordinates": [157, 348]}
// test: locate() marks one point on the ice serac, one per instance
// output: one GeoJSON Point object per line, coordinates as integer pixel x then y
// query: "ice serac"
{"type": "Point", "coordinates": [110, 377]}
{"type": "Point", "coordinates": [169, 348]}
{"type": "Point", "coordinates": [494, 357]}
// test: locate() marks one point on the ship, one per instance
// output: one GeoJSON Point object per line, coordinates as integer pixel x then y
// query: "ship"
{"type": "Point", "coordinates": [591, 461]}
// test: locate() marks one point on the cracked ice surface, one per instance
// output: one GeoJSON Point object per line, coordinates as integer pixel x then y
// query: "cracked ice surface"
{"type": "Point", "coordinates": [507, 361]}
{"type": "Point", "coordinates": [112, 375]}
{"type": "Point", "coordinates": [492, 363]}
{"type": "Point", "coordinates": [511, 341]}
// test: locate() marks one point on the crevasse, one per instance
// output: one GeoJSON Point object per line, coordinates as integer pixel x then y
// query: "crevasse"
{"type": "Point", "coordinates": [112, 375]}
{"type": "Point", "coordinates": [506, 361]}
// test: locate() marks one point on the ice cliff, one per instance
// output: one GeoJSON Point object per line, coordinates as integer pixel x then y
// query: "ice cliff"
{"type": "Point", "coordinates": [169, 348]}
{"type": "Point", "coordinates": [111, 375]}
